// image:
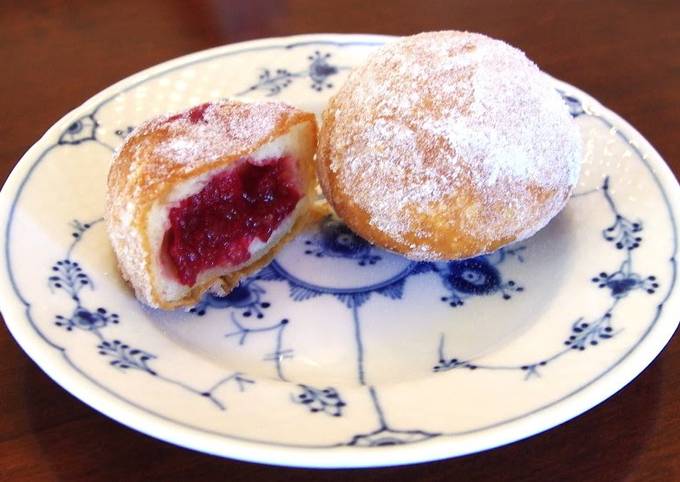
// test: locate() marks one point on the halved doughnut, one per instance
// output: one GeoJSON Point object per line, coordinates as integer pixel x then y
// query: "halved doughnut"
{"type": "Point", "coordinates": [206, 196]}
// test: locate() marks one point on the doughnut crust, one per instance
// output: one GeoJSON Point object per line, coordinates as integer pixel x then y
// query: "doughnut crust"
{"type": "Point", "coordinates": [170, 158]}
{"type": "Point", "coordinates": [447, 145]}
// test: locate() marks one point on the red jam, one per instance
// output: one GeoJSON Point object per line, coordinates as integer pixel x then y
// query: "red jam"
{"type": "Point", "coordinates": [215, 226]}
{"type": "Point", "coordinates": [194, 115]}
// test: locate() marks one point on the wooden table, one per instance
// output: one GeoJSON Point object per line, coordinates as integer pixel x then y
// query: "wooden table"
{"type": "Point", "coordinates": [57, 54]}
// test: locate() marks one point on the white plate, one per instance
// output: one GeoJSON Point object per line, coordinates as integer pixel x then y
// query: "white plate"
{"type": "Point", "coordinates": [379, 361]}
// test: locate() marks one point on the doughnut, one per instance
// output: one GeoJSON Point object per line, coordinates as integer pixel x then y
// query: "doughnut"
{"type": "Point", "coordinates": [447, 145]}
{"type": "Point", "coordinates": [199, 199]}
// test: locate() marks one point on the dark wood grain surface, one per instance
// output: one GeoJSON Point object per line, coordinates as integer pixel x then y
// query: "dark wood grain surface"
{"type": "Point", "coordinates": [54, 55]}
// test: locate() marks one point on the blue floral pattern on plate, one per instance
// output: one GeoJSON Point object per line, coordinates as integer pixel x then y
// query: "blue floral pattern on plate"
{"type": "Point", "coordinates": [583, 333]}
{"type": "Point", "coordinates": [273, 81]}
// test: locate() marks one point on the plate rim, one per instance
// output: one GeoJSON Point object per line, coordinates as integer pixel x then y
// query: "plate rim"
{"type": "Point", "coordinates": [15, 308]}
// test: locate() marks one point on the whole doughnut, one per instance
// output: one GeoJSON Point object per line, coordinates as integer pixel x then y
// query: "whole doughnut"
{"type": "Point", "coordinates": [447, 145]}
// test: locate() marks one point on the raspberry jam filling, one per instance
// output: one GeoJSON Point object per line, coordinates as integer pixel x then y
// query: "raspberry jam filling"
{"type": "Point", "coordinates": [216, 226]}
{"type": "Point", "coordinates": [193, 115]}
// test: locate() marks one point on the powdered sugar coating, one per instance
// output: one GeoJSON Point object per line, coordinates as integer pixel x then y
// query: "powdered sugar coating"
{"type": "Point", "coordinates": [452, 132]}
{"type": "Point", "coordinates": [210, 131]}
